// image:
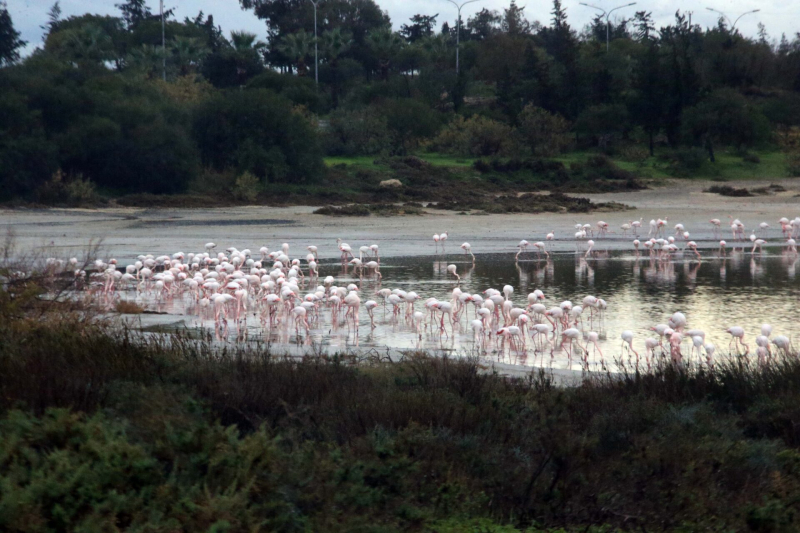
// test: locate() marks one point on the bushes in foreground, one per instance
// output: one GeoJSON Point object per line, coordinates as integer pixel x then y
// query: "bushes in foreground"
{"type": "Point", "coordinates": [105, 429]}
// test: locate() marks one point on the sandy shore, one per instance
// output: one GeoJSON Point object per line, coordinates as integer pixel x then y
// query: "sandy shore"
{"type": "Point", "coordinates": [127, 232]}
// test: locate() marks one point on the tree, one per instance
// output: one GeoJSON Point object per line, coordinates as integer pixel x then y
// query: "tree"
{"type": "Point", "coordinates": [559, 16]}
{"type": "Point", "coordinates": [603, 123]}
{"type": "Point", "coordinates": [545, 134]}
{"type": "Point", "coordinates": [187, 53]}
{"type": "Point", "coordinates": [484, 24]}
{"type": "Point", "coordinates": [679, 42]}
{"type": "Point", "coordinates": [385, 44]}
{"type": "Point", "coordinates": [514, 21]}
{"type": "Point", "coordinates": [134, 12]}
{"type": "Point", "coordinates": [284, 17]}
{"type": "Point", "coordinates": [647, 100]}
{"type": "Point", "coordinates": [257, 131]}
{"type": "Point", "coordinates": [409, 121]}
{"type": "Point", "coordinates": [297, 47]}
{"type": "Point", "coordinates": [335, 43]}
{"type": "Point", "coordinates": [10, 43]}
{"type": "Point", "coordinates": [53, 18]}
{"type": "Point", "coordinates": [147, 60]}
{"type": "Point", "coordinates": [724, 117]}
{"type": "Point", "coordinates": [421, 26]}
{"type": "Point", "coordinates": [644, 28]}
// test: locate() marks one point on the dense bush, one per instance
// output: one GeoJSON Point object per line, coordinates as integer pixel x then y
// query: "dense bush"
{"type": "Point", "coordinates": [409, 121]}
{"type": "Point", "coordinates": [259, 132]}
{"type": "Point", "coordinates": [685, 161]}
{"type": "Point", "coordinates": [545, 134]}
{"type": "Point", "coordinates": [357, 132]}
{"type": "Point", "coordinates": [475, 136]}
{"type": "Point", "coordinates": [120, 134]}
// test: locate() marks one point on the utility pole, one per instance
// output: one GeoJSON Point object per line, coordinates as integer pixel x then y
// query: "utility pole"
{"type": "Point", "coordinates": [733, 25]}
{"type": "Point", "coordinates": [163, 43]}
{"type": "Point", "coordinates": [458, 28]}
{"type": "Point", "coordinates": [607, 16]}
{"type": "Point", "coordinates": [316, 50]}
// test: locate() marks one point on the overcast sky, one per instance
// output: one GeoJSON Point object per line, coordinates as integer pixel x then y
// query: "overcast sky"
{"type": "Point", "coordinates": [779, 16]}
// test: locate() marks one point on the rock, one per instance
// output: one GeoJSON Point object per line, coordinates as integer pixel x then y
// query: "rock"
{"type": "Point", "coordinates": [390, 184]}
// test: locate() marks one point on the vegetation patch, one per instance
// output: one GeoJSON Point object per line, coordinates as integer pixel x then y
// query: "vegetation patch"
{"type": "Point", "coordinates": [556, 202]}
{"type": "Point", "coordinates": [364, 210]}
{"type": "Point", "coordinates": [727, 190]}
{"type": "Point", "coordinates": [770, 189]}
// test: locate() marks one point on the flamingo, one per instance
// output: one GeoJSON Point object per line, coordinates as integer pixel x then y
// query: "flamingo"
{"type": "Point", "coordinates": [523, 245]}
{"type": "Point", "coordinates": [452, 270]}
{"type": "Point", "coordinates": [627, 342]}
{"type": "Point", "coordinates": [716, 223]}
{"type": "Point", "coordinates": [370, 305]}
{"type": "Point", "coordinates": [468, 250]}
{"type": "Point", "coordinates": [589, 250]}
{"type": "Point", "coordinates": [737, 338]}
{"type": "Point", "coordinates": [443, 239]}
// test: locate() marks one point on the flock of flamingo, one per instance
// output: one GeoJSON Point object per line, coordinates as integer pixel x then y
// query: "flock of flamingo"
{"type": "Point", "coordinates": [287, 293]}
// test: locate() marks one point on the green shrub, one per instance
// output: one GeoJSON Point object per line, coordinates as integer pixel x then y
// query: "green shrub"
{"type": "Point", "coordinates": [257, 131]}
{"type": "Point", "coordinates": [545, 134]}
{"type": "Point", "coordinates": [475, 136]}
{"type": "Point", "coordinates": [687, 160]}
{"type": "Point", "coordinates": [246, 187]}
{"type": "Point", "coordinates": [359, 132]}
{"type": "Point", "coordinates": [64, 190]}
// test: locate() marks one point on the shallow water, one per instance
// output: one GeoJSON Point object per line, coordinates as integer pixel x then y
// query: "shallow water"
{"type": "Point", "coordinates": [739, 290]}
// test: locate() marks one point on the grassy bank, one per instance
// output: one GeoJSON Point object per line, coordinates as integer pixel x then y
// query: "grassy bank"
{"type": "Point", "coordinates": [102, 430]}
{"type": "Point", "coordinates": [729, 166]}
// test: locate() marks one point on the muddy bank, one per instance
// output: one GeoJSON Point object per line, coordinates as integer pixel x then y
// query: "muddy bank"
{"type": "Point", "coordinates": [128, 232]}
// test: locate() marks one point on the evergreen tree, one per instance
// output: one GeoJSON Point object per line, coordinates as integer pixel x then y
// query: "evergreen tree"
{"type": "Point", "coordinates": [644, 28]}
{"type": "Point", "coordinates": [53, 18]}
{"type": "Point", "coordinates": [134, 12]}
{"type": "Point", "coordinates": [421, 26]}
{"type": "Point", "coordinates": [482, 25]}
{"type": "Point", "coordinates": [559, 16]}
{"type": "Point", "coordinates": [514, 21]}
{"type": "Point", "coordinates": [10, 43]}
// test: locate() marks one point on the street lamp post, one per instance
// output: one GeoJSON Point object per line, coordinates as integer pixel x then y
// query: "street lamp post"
{"type": "Point", "coordinates": [733, 25]}
{"type": "Point", "coordinates": [607, 15]}
{"type": "Point", "coordinates": [458, 27]}
{"type": "Point", "coordinates": [316, 50]}
{"type": "Point", "coordinates": [163, 43]}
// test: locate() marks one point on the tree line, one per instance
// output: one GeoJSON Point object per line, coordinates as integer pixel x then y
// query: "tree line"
{"type": "Point", "coordinates": [104, 100]}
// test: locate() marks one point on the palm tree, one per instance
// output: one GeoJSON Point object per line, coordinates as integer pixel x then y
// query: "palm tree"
{"type": "Point", "coordinates": [147, 59]}
{"type": "Point", "coordinates": [335, 43]}
{"type": "Point", "coordinates": [436, 48]}
{"type": "Point", "coordinates": [385, 44]}
{"type": "Point", "coordinates": [243, 41]}
{"type": "Point", "coordinates": [89, 44]}
{"type": "Point", "coordinates": [187, 53]}
{"type": "Point", "coordinates": [297, 46]}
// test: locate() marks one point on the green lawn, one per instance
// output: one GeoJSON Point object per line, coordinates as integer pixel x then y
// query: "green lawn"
{"type": "Point", "coordinates": [728, 167]}
{"type": "Point", "coordinates": [440, 160]}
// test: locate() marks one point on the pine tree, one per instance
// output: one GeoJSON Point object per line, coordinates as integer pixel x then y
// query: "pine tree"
{"type": "Point", "coordinates": [53, 19]}
{"type": "Point", "coordinates": [559, 15]}
{"type": "Point", "coordinates": [644, 26]}
{"type": "Point", "coordinates": [514, 21]}
{"type": "Point", "coordinates": [134, 12]}
{"type": "Point", "coordinates": [10, 43]}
